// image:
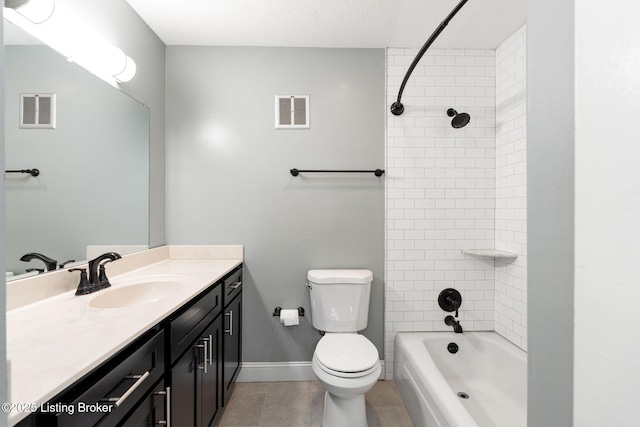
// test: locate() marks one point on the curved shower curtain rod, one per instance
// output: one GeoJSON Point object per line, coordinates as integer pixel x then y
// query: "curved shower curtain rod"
{"type": "Point", "coordinates": [397, 108]}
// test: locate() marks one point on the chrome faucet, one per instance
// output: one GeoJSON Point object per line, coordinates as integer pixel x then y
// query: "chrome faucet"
{"type": "Point", "coordinates": [97, 275]}
{"type": "Point", "coordinates": [49, 263]}
{"type": "Point", "coordinates": [451, 321]}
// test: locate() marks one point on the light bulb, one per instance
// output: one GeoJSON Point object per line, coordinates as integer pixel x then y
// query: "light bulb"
{"type": "Point", "coordinates": [37, 11]}
{"type": "Point", "coordinates": [128, 72]}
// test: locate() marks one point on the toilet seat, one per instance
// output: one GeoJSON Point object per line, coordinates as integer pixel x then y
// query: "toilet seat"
{"type": "Point", "coordinates": [346, 355]}
{"type": "Point", "coordinates": [344, 375]}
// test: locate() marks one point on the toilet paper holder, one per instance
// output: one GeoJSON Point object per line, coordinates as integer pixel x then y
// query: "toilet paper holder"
{"type": "Point", "coordinates": [277, 310]}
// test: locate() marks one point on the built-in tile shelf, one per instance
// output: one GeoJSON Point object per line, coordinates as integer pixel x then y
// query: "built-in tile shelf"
{"type": "Point", "coordinates": [491, 253]}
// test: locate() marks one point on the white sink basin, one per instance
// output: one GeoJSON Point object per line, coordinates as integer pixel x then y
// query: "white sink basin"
{"type": "Point", "coordinates": [139, 293]}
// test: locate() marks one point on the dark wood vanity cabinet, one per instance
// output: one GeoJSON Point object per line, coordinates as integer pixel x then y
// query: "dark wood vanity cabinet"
{"type": "Point", "coordinates": [179, 373]}
{"type": "Point", "coordinates": [196, 379]}
{"type": "Point", "coordinates": [202, 376]}
{"type": "Point", "coordinates": [232, 332]}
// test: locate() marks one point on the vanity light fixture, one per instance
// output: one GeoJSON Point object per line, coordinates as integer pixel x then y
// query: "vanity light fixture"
{"type": "Point", "coordinates": [128, 72]}
{"type": "Point", "coordinates": [77, 41]}
{"type": "Point", "coordinates": [36, 11]}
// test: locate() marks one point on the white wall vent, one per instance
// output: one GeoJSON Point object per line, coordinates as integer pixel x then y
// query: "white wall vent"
{"type": "Point", "coordinates": [37, 111]}
{"type": "Point", "coordinates": [292, 111]}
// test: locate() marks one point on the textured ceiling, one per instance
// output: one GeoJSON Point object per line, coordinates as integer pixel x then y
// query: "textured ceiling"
{"type": "Point", "coordinates": [331, 23]}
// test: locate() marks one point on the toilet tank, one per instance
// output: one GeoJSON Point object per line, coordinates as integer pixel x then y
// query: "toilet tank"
{"type": "Point", "coordinates": [339, 299]}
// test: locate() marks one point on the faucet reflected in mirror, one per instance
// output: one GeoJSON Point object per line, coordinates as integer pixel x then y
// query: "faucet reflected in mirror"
{"type": "Point", "coordinates": [101, 141]}
{"type": "Point", "coordinates": [49, 263]}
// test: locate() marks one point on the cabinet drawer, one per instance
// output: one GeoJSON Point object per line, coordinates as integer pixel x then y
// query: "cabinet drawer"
{"type": "Point", "coordinates": [153, 409]}
{"type": "Point", "coordinates": [185, 328]}
{"type": "Point", "coordinates": [232, 285]}
{"type": "Point", "coordinates": [109, 393]}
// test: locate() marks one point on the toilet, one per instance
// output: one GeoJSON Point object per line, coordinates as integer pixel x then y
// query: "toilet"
{"type": "Point", "coordinates": [346, 363]}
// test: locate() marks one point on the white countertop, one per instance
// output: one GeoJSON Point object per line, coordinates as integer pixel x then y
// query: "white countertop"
{"type": "Point", "coordinates": [56, 341]}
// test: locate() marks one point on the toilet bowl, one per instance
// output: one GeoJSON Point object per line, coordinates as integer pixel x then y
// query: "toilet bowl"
{"type": "Point", "coordinates": [346, 364]}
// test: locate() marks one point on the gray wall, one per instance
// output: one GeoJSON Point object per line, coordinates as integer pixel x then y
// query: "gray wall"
{"type": "Point", "coordinates": [228, 178]}
{"type": "Point", "coordinates": [550, 231]}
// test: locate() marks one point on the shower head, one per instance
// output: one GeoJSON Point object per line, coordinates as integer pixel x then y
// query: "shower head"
{"type": "Point", "coordinates": [459, 120]}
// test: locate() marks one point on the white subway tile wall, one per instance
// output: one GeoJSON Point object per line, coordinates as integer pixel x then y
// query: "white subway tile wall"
{"type": "Point", "coordinates": [511, 188]}
{"type": "Point", "coordinates": [440, 191]}
{"type": "Point", "coordinates": [452, 189]}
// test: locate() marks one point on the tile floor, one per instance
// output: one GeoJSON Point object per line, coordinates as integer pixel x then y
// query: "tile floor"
{"type": "Point", "coordinates": [300, 404]}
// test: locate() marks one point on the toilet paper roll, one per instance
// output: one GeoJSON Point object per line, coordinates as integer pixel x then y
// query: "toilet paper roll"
{"type": "Point", "coordinates": [289, 317]}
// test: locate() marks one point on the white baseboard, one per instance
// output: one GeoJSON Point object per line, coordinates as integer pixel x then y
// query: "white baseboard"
{"type": "Point", "coordinates": [280, 371]}
{"type": "Point", "coordinates": [275, 371]}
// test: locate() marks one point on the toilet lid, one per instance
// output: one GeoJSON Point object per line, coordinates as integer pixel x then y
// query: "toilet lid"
{"type": "Point", "coordinates": [346, 352]}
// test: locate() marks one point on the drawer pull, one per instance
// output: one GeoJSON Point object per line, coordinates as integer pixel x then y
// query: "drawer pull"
{"type": "Point", "coordinates": [230, 330]}
{"type": "Point", "coordinates": [210, 350]}
{"type": "Point", "coordinates": [167, 404]}
{"type": "Point", "coordinates": [234, 285]}
{"type": "Point", "coordinates": [205, 348]}
{"type": "Point", "coordinates": [207, 357]}
{"type": "Point", "coordinates": [117, 401]}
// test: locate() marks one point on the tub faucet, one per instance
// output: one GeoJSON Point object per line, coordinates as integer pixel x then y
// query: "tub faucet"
{"type": "Point", "coordinates": [451, 321]}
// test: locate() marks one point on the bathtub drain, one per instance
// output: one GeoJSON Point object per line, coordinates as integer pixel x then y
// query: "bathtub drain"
{"type": "Point", "coordinates": [463, 395]}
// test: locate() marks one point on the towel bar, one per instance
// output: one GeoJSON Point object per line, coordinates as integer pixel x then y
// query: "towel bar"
{"type": "Point", "coordinates": [296, 172]}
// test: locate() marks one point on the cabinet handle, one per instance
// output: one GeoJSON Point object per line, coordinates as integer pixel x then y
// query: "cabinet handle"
{"type": "Point", "coordinates": [205, 348]}
{"type": "Point", "coordinates": [234, 285]}
{"type": "Point", "coordinates": [207, 352]}
{"type": "Point", "coordinates": [117, 401]}
{"type": "Point", "coordinates": [210, 350]}
{"type": "Point", "coordinates": [230, 330]}
{"type": "Point", "coordinates": [167, 404]}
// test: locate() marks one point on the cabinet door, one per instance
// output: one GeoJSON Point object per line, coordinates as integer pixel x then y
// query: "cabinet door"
{"type": "Point", "coordinates": [196, 381]}
{"type": "Point", "coordinates": [183, 388]}
{"type": "Point", "coordinates": [209, 378]}
{"type": "Point", "coordinates": [232, 344]}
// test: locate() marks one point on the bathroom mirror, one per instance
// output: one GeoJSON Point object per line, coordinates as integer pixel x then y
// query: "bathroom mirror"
{"type": "Point", "coordinates": [93, 163]}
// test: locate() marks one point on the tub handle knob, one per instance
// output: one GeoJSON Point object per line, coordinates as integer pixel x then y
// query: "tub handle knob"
{"type": "Point", "coordinates": [450, 300]}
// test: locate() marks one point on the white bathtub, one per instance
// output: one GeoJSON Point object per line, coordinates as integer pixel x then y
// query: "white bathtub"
{"type": "Point", "coordinates": [487, 368]}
